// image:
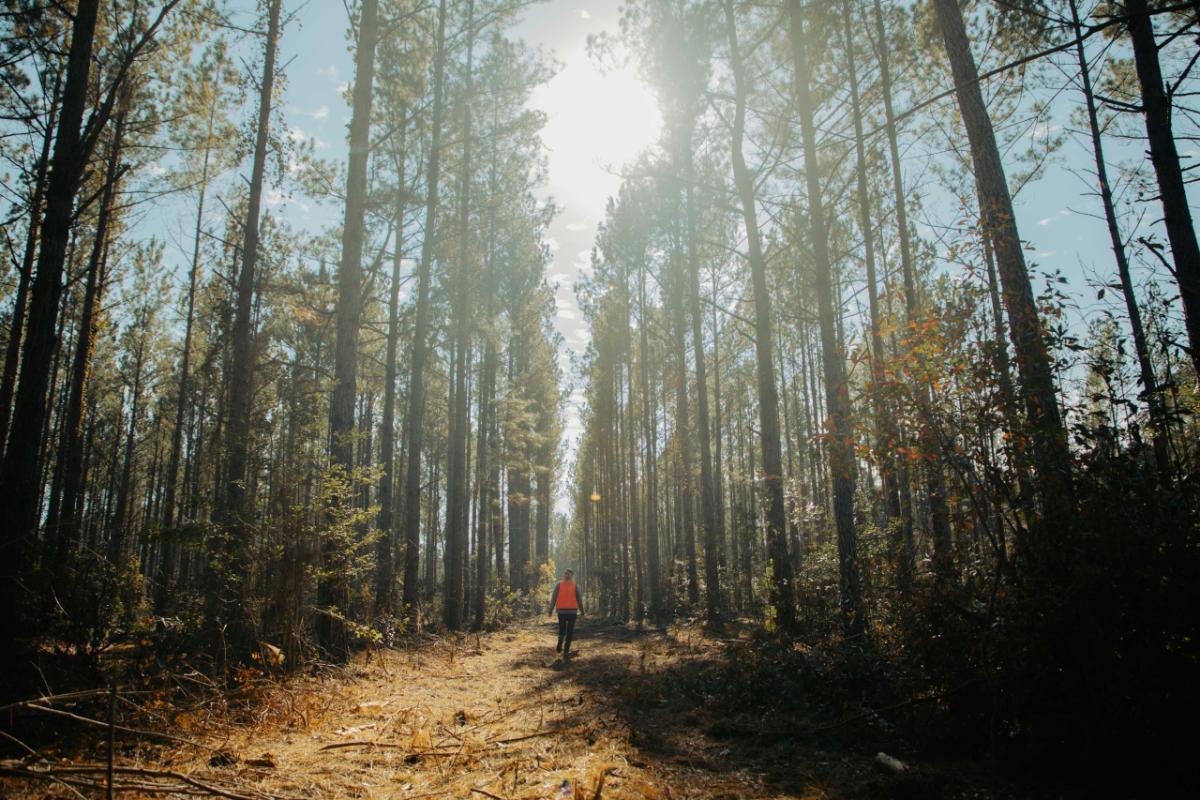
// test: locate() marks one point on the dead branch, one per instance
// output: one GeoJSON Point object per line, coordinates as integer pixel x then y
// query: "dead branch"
{"type": "Point", "coordinates": [122, 728]}
{"type": "Point", "coordinates": [485, 793]}
{"type": "Point", "coordinates": [77, 775]}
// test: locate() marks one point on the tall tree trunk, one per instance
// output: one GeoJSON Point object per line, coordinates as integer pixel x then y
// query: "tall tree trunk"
{"type": "Point", "coordinates": [1150, 391]}
{"type": "Point", "coordinates": [902, 541]}
{"type": "Point", "coordinates": [333, 590]}
{"type": "Point", "coordinates": [708, 500]}
{"type": "Point", "coordinates": [118, 528]}
{"type": "Point", "coordinates": [782, 590]}
{"type": "Point", "coordinates": [225, 597]}
{"type": "Point", "coordinates": [1177, 214]}
{"type": "Point", "coordinates": [385, 556]}
{"type": "Point", "coordinates": [886, 435]}
{"type": "Point", "coordinates": [650, 468]}
{"type": "Point", "coordinates": [483, 527]}
{"type": "Point", "coordinates": [1051, 455]}
{"type": "Point", "coordinates": [19, 487]}
{"type": "Point", "coordinates": [66, 537]}
{"type": "Point", "coordinates": [167, 563]}
{"type": "Point", "coordinates": [491, 520]}
{"type": "Point", "coordinates": [837, 388]}
{"type": "Point", "coordinates": [457, 494]}
{"type": "Point", "coordinates": [415, 417]}
{"type": "Point", "coordinates": [683, 433]}
{"type": "Point", "coordinates": [12, 352]}
{"type": "Point", "coordinates": [718, 429]}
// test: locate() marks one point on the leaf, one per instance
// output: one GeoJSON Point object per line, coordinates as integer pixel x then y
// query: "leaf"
{"type": "Point", "coordinates": [371, 708]}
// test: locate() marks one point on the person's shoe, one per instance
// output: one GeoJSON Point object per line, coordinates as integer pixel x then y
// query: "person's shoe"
{"type": "Point", "coordinates": [558, 647]}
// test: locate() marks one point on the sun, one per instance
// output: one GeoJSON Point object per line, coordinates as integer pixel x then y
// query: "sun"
{"type": "Point", "coordinates": [597, 121]}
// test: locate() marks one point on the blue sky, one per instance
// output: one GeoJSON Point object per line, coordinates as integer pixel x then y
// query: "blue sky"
{"type": "Point", "coordinates": [1055, 215]}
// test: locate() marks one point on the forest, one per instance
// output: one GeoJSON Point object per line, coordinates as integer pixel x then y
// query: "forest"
{"type": "Point", "coordinates": [846, 465]}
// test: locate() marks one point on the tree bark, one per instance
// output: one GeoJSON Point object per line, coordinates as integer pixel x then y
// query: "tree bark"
{"type": "Point", "coordinates": [8, 383]}
{"type": "Point", "coordinates": [166, 568]}
{"type": "Point", "coordinates": [66, 537]}
{"type": "Point", "coordinates": [225, 598]}
{"type": "Point", "coordinates": [1177, 214]}
{"type": "Point", "coordinates": [1051, 455]}
{"type": "Point", "coordinates": [457, 494]}
{"type": "Point", "coordinates": [415, 416]}
{"type": "Point", "coordinates": [886, 434]}
{"type": "Point", "coordinates": [708, 500]}
{"type": "Point", "coordinates": [837, 388]}
{"type": "Point", "coordinates": [333, 591]}
{"type": "Point", "coordinates": [385, 567]}
{"type": "Point", "coordinates": [19, 487]}
{"type": "Point", "coordinates": [650, 468]}
{"type": "Point", "coordinates": [782, 590]}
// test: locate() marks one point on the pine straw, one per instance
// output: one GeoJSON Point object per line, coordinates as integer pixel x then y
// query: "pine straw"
{"type": "Point", "coordinates": [494, 716]}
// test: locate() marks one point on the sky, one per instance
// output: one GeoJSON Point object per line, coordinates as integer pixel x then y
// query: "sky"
{"type": "Point", "coordinates": [598, 119]}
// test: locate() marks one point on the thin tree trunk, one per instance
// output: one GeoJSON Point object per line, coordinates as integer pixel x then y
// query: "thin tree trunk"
{"type": "Point", "coordinates": [166, 570]}
{"type": "Point", "coordinates": [66, 537]}
{"type": "Point", "coordinates": [225, 599]}
{"type": "Point", "coordinates": [683, 437]}
{"type": "Point", "coordinates": [457, 495]}
{"type": "Point", "coordinates": [837, 389]}
{"type": "Point", "coordinates": [1051, 455]}
{"type": "Point", "coordinates": [118, 528]}
{"type": "Point", "coordinates": [19, 484]}
{"type": "Point", "coordinates": [415, 417]}
{"type": "Point", "coordinates": [333, 590]}
{"type": "Point", "coordinates": [782, 590]}
{"type": "Point", "coordinates": [385, 556]}
{"type": "Point", "coordinates": [886, 437]}
{"type": "Point", "coordinates": [651, 463]}
{"type": "Point", "coordinates": [1177, 214]}
{"type": "Point", "coordinates": [902, 542]}
{"type": "Point", "coordinates": [708, 500]}
{"type": "Point", "coordinates": [12, 351]}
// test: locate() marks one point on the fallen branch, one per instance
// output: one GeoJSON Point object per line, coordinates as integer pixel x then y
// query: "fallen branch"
{"type": "Point", "coordinates": [122, 728]}
{"type": "Point", "coordinates": [444, 751]}
{"type": "Point", "coordinates": [546, 732]}
{"type": "Point", "coordinates": [73, 774]}
{"type": "Point", "coordinates": [54, 698]}
{"type": "Point", "coordinates": [486, 793]}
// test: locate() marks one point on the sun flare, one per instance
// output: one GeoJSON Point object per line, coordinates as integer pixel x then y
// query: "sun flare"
{"type": "Point", "coordinates": [597, 121]}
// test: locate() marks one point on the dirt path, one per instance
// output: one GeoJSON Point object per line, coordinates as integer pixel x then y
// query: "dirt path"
{"type": "Point", "coordinates": [501, 716]}
{"type": "Point", "coordinates": [495, 716]}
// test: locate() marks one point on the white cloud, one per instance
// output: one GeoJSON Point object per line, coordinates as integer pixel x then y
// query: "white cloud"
{"type": "Point", "coordinates": [577, 226]}
{"type": "Point", "coordinates": [321, 113]}
{"type": "Point", "coordinates": [330, 72]}
{"type": "Point", "coordinates": [583, 14]}
{"type": "Point", "coordinates": [1046, 221]}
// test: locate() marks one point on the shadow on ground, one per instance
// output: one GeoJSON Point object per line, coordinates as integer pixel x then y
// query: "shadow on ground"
{"type": "Point", "coordinates": [664, 689]}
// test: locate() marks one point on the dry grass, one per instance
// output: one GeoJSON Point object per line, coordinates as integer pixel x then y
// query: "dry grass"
{"type": "Point", "coordinates": [492, 716]}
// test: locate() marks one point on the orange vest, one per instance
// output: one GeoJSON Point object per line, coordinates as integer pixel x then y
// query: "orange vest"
{"type": "Point", "coordinates": [566, 596]}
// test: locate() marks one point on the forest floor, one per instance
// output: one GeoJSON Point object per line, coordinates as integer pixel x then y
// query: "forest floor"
{"type": "Point", "coordinates": [500, 716]}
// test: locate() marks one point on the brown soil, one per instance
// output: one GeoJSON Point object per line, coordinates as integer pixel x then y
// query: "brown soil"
{"type": "Point", "coordinates": [501, 716]}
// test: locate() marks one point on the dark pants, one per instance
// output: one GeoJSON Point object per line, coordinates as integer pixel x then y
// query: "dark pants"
{"type": "Point", "coordinates": [566, 630]}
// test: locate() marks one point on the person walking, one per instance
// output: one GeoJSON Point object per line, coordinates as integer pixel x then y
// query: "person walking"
{"type": "Point", "coordinates": [567, 600]}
